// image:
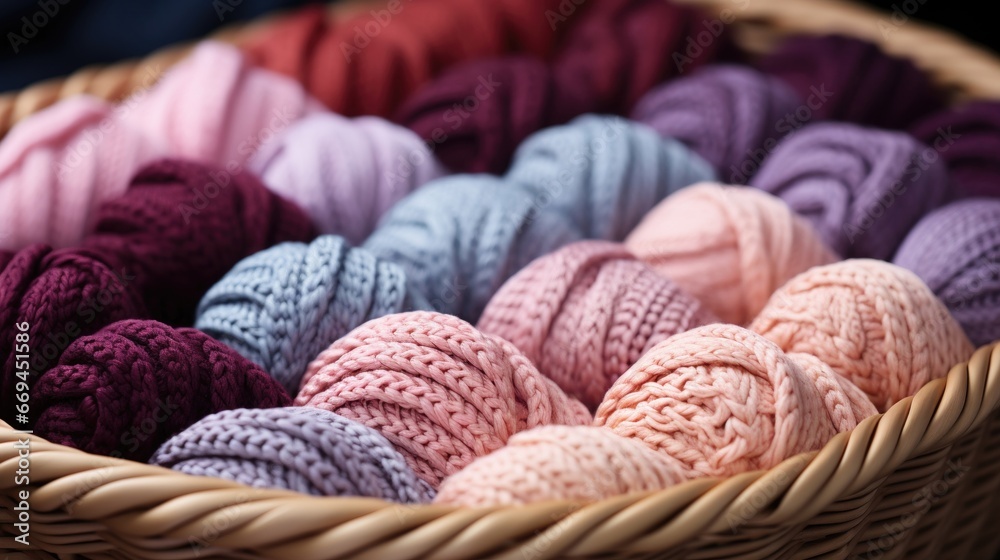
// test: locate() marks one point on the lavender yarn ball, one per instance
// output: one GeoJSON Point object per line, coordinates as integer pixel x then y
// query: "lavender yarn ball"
{"type": "Point", "coordinates": [968, 139]}
{"type": "Point", "coordinates": [863, 189]}
{"type": "Point", "coordinates": [307, 450]}
{"type": "Point", "coordinates": [732, 116]}
{"type": "Point", "coordinates": [955, 250]}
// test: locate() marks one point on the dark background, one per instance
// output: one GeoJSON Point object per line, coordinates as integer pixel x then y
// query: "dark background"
{"type": "Point", "coordinates": [965, 16]}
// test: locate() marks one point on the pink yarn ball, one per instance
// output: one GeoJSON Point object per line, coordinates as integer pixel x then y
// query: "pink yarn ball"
{"type": "Point", "coordinates": [587, 312]}
{"type": "Point", "coordinates": [584, 463]}
{"type": "Point", "coordinates": [721, 400]}
{"type": "Point", "coordinates": [874, 323]}
{"type": "Point", "coordinates": [729, 247]}
{"type": "Point", "coordinates": [441, 391]}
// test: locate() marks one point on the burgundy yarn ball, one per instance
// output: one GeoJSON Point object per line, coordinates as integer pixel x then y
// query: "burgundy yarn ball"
{"type": "Point", "coordinates": [968, 139]}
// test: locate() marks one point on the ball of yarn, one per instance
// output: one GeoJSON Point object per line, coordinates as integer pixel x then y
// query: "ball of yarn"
{"type": "Point", "coordinates": [356, 72]}
{"type": "Point", "coordinates": [848, 79]}
{"type": "Point", "coordinates": [580, 463]}
{"type": "Point", "coordinates": [345, 172]}
{"type": "Point", "coordinates": [307, 450]}
{"type": "Point", "coordinates": [732, 116]}
{"type": "Point", "coordinates": [281, 307]}
{"type": "Point", "coordinates": [729, 247]}
{"type": "Point", "coordinates": [476, 114]}
{"type": "Point", "coordinates": [862, 189]}
{"type": "Point", "coordinates": [719, 400]}
{"type": "Point", "coordinates": [181, 226]}
{"type": "Point", "coordinates": [126, 389]}
{"type": "Point", "coordinates": [876, 324]}
{"type": "Point", "coordinates": [442, 392]}
{"type": "Point", "coordinates": [604, 172]}
{"type": "Point", "coordinates": [967, 138]}
{"type": "Point", "coordinates": [212, 107]}
{"type": "Point", "coordinates": [955, 250]}
{"type": "Point", "coordinates": [587, 312]}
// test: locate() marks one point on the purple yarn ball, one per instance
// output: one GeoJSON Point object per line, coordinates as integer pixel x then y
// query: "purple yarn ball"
{"type": "Point", "coordinates": [732, 116]}
{"type": "Point", "coordinates": [307, 450]}
{"type": "Point", "coordinates": [968, 139]}
{"type": "Point", "coordinates": [956, 251]}
{"type": "Point", "coordinates": [862, 189]}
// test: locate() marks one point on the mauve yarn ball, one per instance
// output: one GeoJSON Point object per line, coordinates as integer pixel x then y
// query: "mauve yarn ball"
{"type": "Point", "coordinates": [862, 189]}
{"type": "Point", "coordinates": [968, 140]}
{"type": "Point", "coordinates": [579, 463]}
{"type": "Point", "coordinates": [848, 79]}
{"type": "Point", "coordinates": [876, 324]}
{"type": "Point", "coordinates": [345, 173]}
{"type": "Point", "coordinates": [729, 247]}
{"type": "Point", "coordinates": [442, 392]}
{"type": "Point", "coordinates": [720, 400]}
{"type": "Point", "coordinates": [733, 116]}
{"type": "Point", "coordinates": [182, 225]}
{"type": "Point", "coordinates": [475, 115]}
{"type": "Point", "coordinates": [956, 251]}
{"type": "Point", "coordinates": [296, 448]}
{"type": "Point", "coordinates": [127, 388]}
{"type": "Point", "coordinates": [585, 313]}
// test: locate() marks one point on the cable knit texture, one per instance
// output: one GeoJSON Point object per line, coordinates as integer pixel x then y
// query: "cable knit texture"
{"type": "Point", "coordinates": [126, 389]}
{"type": "Point", "coordinates": [720, 400]}
{"type": "Point", "coordinates": [213, 107]}
{"type": "Point", "coordinates": [442, 392]}
{"type": "Point", "coordinates": [732, 116]}
{"type": "Point", "coordinates": [345, 172]}
{"type": "Point", "coordinates": [367, 64]}
{"type": "Point", "coordinates": [477, 114]}
{"type": "Point", "coordinates": [956, 251]}
{"type": "Point", "coordinates": [307, 450]}
{"type": "Point", "coordinates": [450, 245]}
{"type": "Point", "coordinates": [968, 140]}
{"type": "Point", "coordinates": [581, 463]}
{"type": "Point", "coordinates": [587, 312]}
{"type": "Point", "coordinates": [847, 79]}
{"type": "Point", "coordinates": [729, 247]}
{"type": "Point", "coordinates": [862, 189]}
{"type": "Point", "coordinates": [876, 324]}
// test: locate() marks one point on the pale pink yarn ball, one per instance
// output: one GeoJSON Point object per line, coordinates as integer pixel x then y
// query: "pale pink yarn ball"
{"type": "Point", "coordinates": [587, 312]}
{"type": "Point", "coordinates": [441, 391]}
{"type": "Point", "coordinates": [874, 323]}
{"type": "Point", "coordinates": [721, 400]}
{"type": "Point", "coordinates": [730, 247]}
{"type": "Point", "coordinates": [583, 463]}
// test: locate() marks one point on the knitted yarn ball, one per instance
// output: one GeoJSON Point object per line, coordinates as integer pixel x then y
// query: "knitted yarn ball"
{"type": "Point", "coordinates": [345, 172]}
{"type": "Point", "coordinates": [126, 389]}
{"type": "Point", "coordinates": [733, 116]}
{"type": "Point", "coordinates": [307, 450]}
{"type": "Point", "coordinates": [212, 107]}
{"type": "Point", "coordinates": [442, 392]}
{"type": "Point", "coordinates": [955, 250]}
{"type": "Point", "coordinates": [580, 463]}
{"type": "Point", "coordinates": [967, 138]}
{"type": "Point", "coordinates": [354, 71]}
{"type": "Point", "coordinates": [720, 400]}
{"type": "Point", "coordinates": [585, 313]}
{"type": "Point", "coordinates": [862, 189]}
{"type": "Point", "coordinates": [604, 172]}
{"type": "Point", "coordinates": [848, 79]}
{"type": "Point", "coordinates": [729, 247]}
{"type": "Point", "coordinates": [475, 115]}
{"type": "Point", "coordinates": [876, 324]}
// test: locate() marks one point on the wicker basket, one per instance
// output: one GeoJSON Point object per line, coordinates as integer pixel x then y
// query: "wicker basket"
{"type": "Point", "coordinates": [919, 481]}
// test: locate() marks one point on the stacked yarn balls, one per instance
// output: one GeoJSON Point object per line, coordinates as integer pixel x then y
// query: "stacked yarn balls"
{"type": "Point", "coordinates": [587, 256]}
